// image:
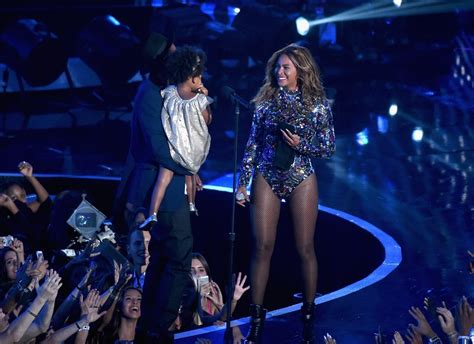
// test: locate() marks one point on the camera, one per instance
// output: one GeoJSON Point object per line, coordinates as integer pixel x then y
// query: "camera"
{"type": "Point", "coordinates": [6, 240]}
{"type": "Point", "coordinates": [86, 219]}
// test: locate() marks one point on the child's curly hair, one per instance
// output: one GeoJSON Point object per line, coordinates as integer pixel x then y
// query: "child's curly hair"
{"type": "Point", "coordinates": [187, 61]}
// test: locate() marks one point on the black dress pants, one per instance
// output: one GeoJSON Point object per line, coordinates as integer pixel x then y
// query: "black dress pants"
{"type": "Point", "coordinates": [168, 272]}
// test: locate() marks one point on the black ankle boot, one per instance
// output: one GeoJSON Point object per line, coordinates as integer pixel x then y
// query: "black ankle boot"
{"type": "Point", "coordinates": [307, 312]}
{"type": "Point", "coordinates": [257, 314]}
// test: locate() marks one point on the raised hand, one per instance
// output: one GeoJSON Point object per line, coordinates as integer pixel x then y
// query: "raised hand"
{"type": "Point", "coordinates": [49, 288]}
{"type": "Point", "coordinates": [90, 306]}
{"type": "Point", "coordinates": [6, 201]}
{"type": "Point", "coordinates": [38, 269]}
{"type": "Point", "coordinates": [466, 317]}
{"type": "Point", "coordinates": [328, 339]}
{"type": "Point", "coordinates": [446, 320]}
{"type": "Point", "coordinates": [25, 169]}
{"type": "Point", "coordinates": [239, 289]}
{"type": "Point", "coordinates": [423, 327]}
{"type": "Point", "coordinates": [397, 338]}
{"type": "Point", "coordinates": [413, 336]}
{"type": "Point", "coordinates": [17, 245]}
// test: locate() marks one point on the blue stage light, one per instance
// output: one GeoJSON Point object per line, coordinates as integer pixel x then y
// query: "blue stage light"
{"type": "Point", "coordinates": [302, 26]}
{"type": "Point", "coordinates": [362, 138]}
{"type": "Point", "coordinates": [397, 3]}
{"type": "Point", "coordinates": [112, 20]}
{"type": "Point", "coordinates": [382, 124]}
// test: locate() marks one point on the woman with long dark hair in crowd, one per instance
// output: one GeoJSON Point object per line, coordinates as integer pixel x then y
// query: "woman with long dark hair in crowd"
{"type": "Point", "coordinates": [292, 123]}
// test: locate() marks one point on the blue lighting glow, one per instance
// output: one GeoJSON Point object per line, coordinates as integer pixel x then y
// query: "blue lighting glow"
{"type": "Point", "coordinates": [417, 135]}
{"type": "Point", "coordinates": [393, 110]}
{"type": "Point", "coordinates": [113, 20]}
{"type": "Point", "coordinates": [208, 8]}
{"type": "Point", "coordinates": [157, 3]}
{"type": "Point", "coordinates": [382, 124]}
{"type": "Point", "coordinates": [302, 25]}
{"type": "Point", "coordinates": [397, 3]}
{"type": "Point", "coordinates": [362, 138]}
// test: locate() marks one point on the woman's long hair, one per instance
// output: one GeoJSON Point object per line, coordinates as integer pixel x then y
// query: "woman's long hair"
{"type": "Point", "coordinates": [111, 331]}
{"type": "Point", "coordinates": [3, 268]}
{"type": "Point", "coordinates": [307, 71]}
{"type": "Point", "coordinates": [205, 264]}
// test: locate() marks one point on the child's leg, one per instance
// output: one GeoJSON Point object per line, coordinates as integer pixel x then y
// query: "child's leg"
{"type": "Point", "coordinates": [162, 182]}
{"type": "Point", "coordinates": [190, 188]}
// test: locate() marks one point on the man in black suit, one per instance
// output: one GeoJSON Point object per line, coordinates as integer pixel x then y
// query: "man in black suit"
{"type": "Point", "coordinates": [171, 238]}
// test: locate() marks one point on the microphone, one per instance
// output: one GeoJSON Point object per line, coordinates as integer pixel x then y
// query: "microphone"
{"type": "Point", "coordinates": [230, 93]}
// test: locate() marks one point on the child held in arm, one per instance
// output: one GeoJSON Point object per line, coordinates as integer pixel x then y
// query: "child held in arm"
{"type": "Point", "coordinates": [185, 116]}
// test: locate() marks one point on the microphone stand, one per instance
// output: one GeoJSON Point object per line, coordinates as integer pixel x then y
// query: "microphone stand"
{"type": "Point", "coordinates": [228, 336]}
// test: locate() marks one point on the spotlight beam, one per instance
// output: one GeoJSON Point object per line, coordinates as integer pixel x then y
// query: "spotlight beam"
{"type": "Point", "coordinates": [378, 11]}
{"type": "Point", "coordinates": [375, 7]}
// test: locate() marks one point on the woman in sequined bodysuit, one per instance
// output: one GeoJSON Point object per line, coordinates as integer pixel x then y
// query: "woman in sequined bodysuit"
{"type": "Point", "coordinates": [293, 95]}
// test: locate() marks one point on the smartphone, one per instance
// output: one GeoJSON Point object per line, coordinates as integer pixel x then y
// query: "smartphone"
{"type": "Point", "coordinates": [203, 280]}
{"type": "Point", "coordinates": [6, 240]}
{"type": "Point", "coordinates": [39, 255]}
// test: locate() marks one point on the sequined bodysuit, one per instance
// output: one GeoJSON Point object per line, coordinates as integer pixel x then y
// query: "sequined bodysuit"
{"type": "Point", "coordinates": [314, 127]}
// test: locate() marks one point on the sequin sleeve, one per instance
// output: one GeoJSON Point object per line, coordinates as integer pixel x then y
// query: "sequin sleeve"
{"type": "Point", "coordinates": [318, 140]}
{"type": "Point", "coordinates": [253, 147]}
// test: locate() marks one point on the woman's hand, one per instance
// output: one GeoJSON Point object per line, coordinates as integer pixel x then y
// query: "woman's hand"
{"type": "Point", "coordinates": [17, 246]}
{"type": "Point", "coordinates": [413, 336]}
{"type": "Point", "coordinates": [446, 319]}
{"type": "Point", "coordinates": [291, 139]}
{"type": "Point", "coordinates": [49, 288]}
{"type": "Point", "coordinates": [328, 339]}
{"type": "Point", "coordinates": [38, 269]}
{"type": "Point", "coordinates": [241, 196]}
{"type": "Point", "coordinates": [239, 289]}
{"type": "Point", "coordinates": [7, 202]}
{"type": "Point", "coordinates": [25, 169]}
{"type": "Point", "coordinates": [397, 338]}
{"type": "Point", "coordinates": [423, 327]}
{"type": "Point", "coordinates": [90, 306]}
{"type": "Point", "coordinates": [466, 317]}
